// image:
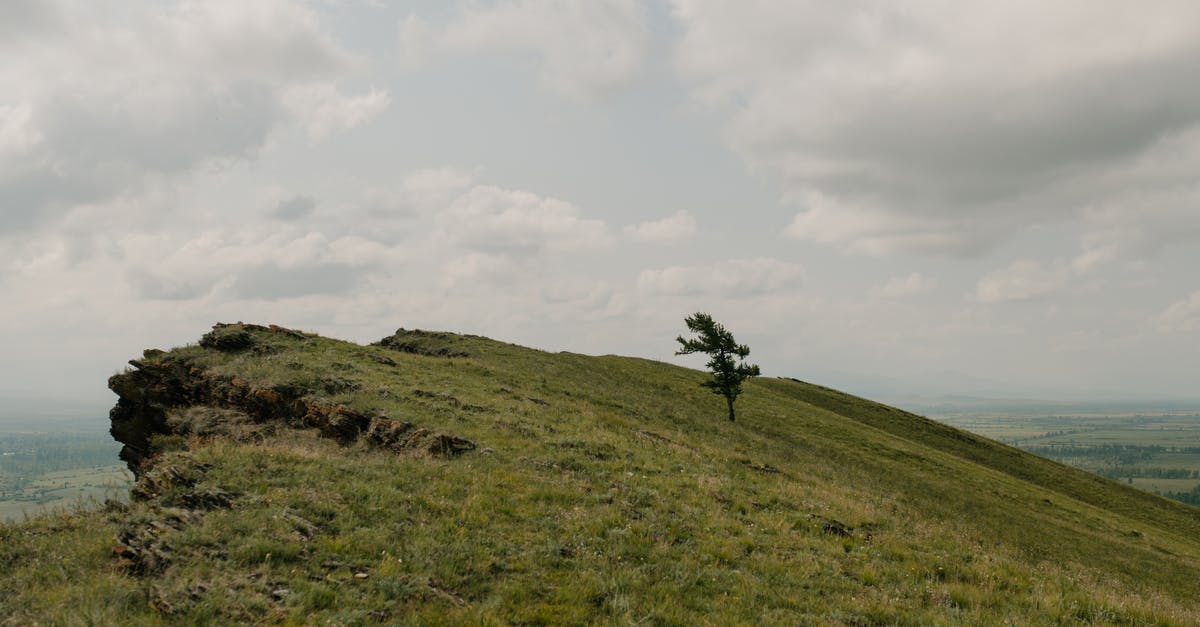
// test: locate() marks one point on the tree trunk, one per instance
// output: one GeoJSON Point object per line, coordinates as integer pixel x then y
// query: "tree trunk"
{"type": "Point", "coordinates": [729, 402]}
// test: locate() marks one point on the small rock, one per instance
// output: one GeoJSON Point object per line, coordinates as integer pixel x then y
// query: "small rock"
{"type": "Point", "coordinates": [361, 575]}
{"type": "Point", "coordinates": [379, 359]}
{"type": "Point", "coordinates": [280, 593]}
{"type": "Point", "coordinates": [336, 385]}
{"type": "Point", "coordinates": [285, 331]}
{"type": "Point", "coordinates": [228, 338]}
{"type": "Point", "coordinates": [447, 445]}
{"type": "Point", "coordinates": [198, 591]}
{"type": "Point", "coordinates": [836, 528]}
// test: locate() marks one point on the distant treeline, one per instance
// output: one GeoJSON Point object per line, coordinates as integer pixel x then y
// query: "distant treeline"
{"type": "Point", "coordinates": [1125, 462]}
{"type": "Point", "coordinates": [1114, 454]}
{"type": "Point", "coordinates": [1148, 472]}
{"type": "Point", "coordinates": [1191, 497]}
{"type": "Point", "coordinates": [24, 458]}
{"type": "Point", "coordinates": [1094, 449]}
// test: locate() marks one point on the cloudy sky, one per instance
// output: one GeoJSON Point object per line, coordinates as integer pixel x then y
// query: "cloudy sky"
{"type": "Point", "coordinates": [922, 197]}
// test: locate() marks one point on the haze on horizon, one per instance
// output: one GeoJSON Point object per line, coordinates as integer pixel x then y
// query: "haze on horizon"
{"type": "Point", "coordinates": [928, 198]}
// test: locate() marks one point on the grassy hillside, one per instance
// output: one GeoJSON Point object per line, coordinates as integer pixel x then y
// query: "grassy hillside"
{"type": "Point", "coordinates": [439, 478]}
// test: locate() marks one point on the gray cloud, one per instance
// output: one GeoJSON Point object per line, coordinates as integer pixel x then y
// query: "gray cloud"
{"type": "Point", "coordinates": [99, 103]}
{"type": "Point", "coordinates": [294, 208]}
{"type": "Point", "coordinates": [502, 221]}
{"type": "Point", "coordinates": [27, 19]}
{"type": "Point", "coordinates": [964, 151]}
{"type": "Point", "coordinates": [90, 152]}
{"type": "Point", "coordinates": [154, 286]}
{"type": "Point", "coordinates": [274, 282]}
{"type": "Point", "coordinates": [31, 197]}
{"type": "Point", "coordinates": [963, 124]}
{"type": "Point", "coordinates": [1043, 161]}
{"type": "Point", "coordinates": [203, 123]}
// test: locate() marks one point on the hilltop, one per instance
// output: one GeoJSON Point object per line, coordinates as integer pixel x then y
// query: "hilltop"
{"type": "Point", "coordinates": [443, 478]}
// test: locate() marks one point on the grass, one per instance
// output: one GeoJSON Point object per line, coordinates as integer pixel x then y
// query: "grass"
{"type": "Point", "coordinates": [1119, 445]}
{"type": "Point", "coordinates": [603, 490]}
{"type": "Point", "coordinates": [67, 489]}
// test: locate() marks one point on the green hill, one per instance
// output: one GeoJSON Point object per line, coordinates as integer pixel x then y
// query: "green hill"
{"type": "Point", "coordinates": [441, 478]}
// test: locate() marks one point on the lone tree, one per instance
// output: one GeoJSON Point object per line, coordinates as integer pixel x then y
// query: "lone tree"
{"type": "Point", "coordinates": [726, 356]}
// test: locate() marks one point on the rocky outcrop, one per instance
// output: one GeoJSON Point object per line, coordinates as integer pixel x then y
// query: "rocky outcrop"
{"type": "Point", "coordinates": [145, 393]}
{"type": "Point", "coordinates": [425, 343]}
{"type": "Point", "coordinates": [165, 396]}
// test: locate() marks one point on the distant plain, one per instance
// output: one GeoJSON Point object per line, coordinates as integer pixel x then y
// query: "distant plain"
{"type": "Point", "coordinates": [1156, 450]}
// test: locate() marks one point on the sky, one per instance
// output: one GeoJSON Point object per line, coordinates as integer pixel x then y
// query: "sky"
{"type": "Point", "coordinates": [918, 198]}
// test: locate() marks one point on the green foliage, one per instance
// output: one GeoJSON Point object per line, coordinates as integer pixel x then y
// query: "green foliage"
{"type": "Point", "coordinates": [603, 493]}
{"type": "Point", "coordinates": [1191, 497]}
{"type": "Point", "coordinates": [726, 357]}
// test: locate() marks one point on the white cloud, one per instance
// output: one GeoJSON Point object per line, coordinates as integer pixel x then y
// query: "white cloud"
{"type": "Point", "coordinates": [1139, 224]}
{"type": "Point", "coordinates": [252, 262]}
{"type": "Point", "coordinates": [583, 48]}
{"type": "Point", "coordinates": [948, 125]}
{"type": "Point", "coordinates": [17, 135]}
{"type": "Point", "coordinates": [879, 232]}
{"type": "Point", "coordinates": [421, 192]}
{"type": "Point", "coordinates": [733, 278]}
{"type": "Point", "coordinates": [293, 208]}
{"type": "Point", "coordinates": [148, 149]}
{"type": "Point", "coordinates": [1023, 280]}
{"type": "Point", "coordinates": [323, 110]}
{"type": "Point", "coordinates": [574, 300]}
{"type": "Point", "coordinates": [106, 99]}
{"type": "Point", "coordinates": [479, 268]}
{"type": "Point", "coordinates": [433, 188]}
{"type": "Point", "coordinates": [358, 251]}
{"type": "Point", "coordinates": [501, 221]}
{"type": "Point", "coordinates": [676, 227]}
{"type": "Point", "coordinates": [1182, 316]}
{"type": "Point", "coordinates": [913, 284]}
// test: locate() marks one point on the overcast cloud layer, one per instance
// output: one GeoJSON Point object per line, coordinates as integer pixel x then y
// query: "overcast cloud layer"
{"type": "Point", "coordinates": [917, 198]}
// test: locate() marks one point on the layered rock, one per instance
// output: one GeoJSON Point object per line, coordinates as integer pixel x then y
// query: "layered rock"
{"type": "Point", "coordinates": [164, 395]}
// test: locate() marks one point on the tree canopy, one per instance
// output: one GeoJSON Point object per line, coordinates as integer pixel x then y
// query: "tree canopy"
{"type": "Point", "coordinates": [726, 357]}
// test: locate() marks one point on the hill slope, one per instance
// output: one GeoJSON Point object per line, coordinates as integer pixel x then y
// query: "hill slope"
{"type": "Point", "coordinates": [442, 478]}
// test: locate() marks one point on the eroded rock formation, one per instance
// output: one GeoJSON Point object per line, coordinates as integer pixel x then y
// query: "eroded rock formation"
{"type": "Point", "coordinates": [165, 396]}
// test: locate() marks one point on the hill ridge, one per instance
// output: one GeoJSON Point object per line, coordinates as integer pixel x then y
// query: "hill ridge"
{"type": "Point", "coordinates": [435, 478]}
{"type": "Point", "coordinates": [1008, 463]}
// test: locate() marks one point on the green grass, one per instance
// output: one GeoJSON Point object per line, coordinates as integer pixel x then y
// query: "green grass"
{"type": "Point", "coordinates": [1119, 445]}
{"type": "Point", "coordinates": [65, 490]}
{"type": "Point", "coordinates": [603, 490]}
